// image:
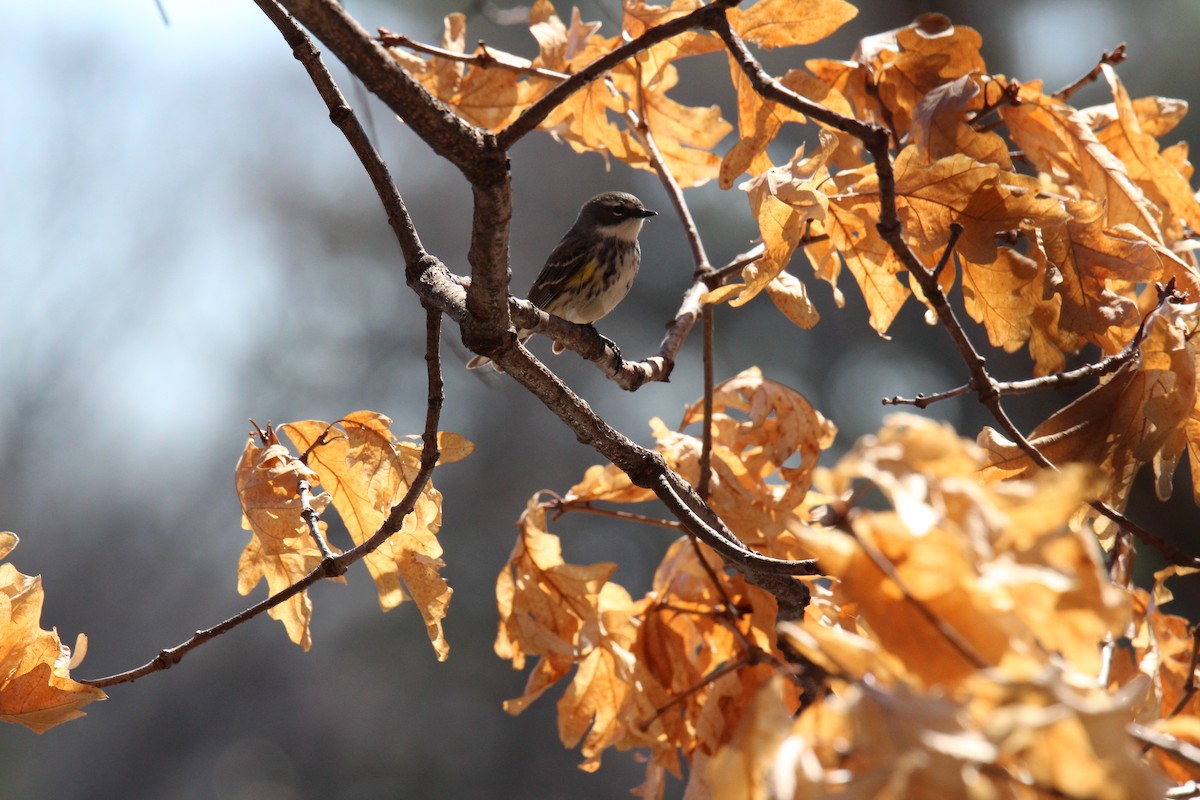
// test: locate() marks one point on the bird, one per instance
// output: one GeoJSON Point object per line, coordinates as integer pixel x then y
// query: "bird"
{"type": "Point", "coordinates": [592, 267]}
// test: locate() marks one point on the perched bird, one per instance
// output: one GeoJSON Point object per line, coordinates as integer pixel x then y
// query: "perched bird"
{"type": "Point", "coordinates": [592, 267]}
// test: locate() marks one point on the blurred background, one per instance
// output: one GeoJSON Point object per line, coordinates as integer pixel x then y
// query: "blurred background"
{"type": "Point", "coordinates": [186, 242]}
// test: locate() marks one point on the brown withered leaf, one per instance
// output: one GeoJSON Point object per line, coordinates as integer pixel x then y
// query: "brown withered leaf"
{"type": "Point", "coordinates": [492, 92]}
{"type": "Point", "coordinates": [980, 197]}
{"type": "Point", "coordinates": [604, 703]}
{"type": "Point", "coordinates": [547, 607]}
{"type": "Point", "coordinates": [36, 689]}
{"type": "Point", "coordinates": [784, 201]}
{"type": "Point", "coordinates": [1137, 416]}
{"type": "Point", "coordinates": [559, 45]}
{"type": "Point", "coordinates": [571, 616]}
{"type": "Point", "coordinates": [366, 470]}
{"type": "Point", "coordinates": [684, 636]}
{"type": "Point", "coordinates": [961, 574]}
{"type": "Point", "coordinates": [606, 482]}
{"type": "Point", "coordinates": [440, 76]}
{"type": "Point", "coordinates": [639, 16]}
{"type": "Point", "coordinates": [685, 135]}
{"type": "Point", "coordinates": [1159, 179]}
{"type": "Point", "coordinates": [280, 549]}
{"type": "Point", "coordinates": [875, 267]}
{"type": "Point", "coordinates": [784, 23]}
{"type": "Point", "coordinates": [930, 196]}
{"type": "Point", "coordinates": [1057, 140]}
{"type": "Point", "coordinates": [760, 120]}
{"type": "Point", "coordinates": [761, 429]}
{"type": "Point", "coordinates": [940, 129]}
{"type": "Point", "coordinates": [788, 294]}
{"type": "Point", "coordinates": [1094, 268]}
{"type": "Point", "coordinates": [892, 72]}
{"type": "Point", "coordinates": [930, 52]}
{"type": "Point", "coordinates": [1162, 649]}
{"type": "Point", "coordinates": [746, 767]}
{"type": "Point", "coordinates": [995, 294]}
{"type": "Point", "coordinates": [1158, 116]}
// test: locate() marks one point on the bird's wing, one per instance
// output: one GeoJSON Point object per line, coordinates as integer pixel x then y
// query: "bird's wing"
{"type": "Point", "coordinates": [565, 265]}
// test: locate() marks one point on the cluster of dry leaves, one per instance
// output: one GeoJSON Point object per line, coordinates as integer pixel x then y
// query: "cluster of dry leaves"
{"type": "Point", "coordinates": [972, 644]}
{"type": "Point", "coordinates": [364, 471]}
{"type": "Point", "coordinates": [966, 638]}
{"type": "Point", "coordinates": [970, 641]}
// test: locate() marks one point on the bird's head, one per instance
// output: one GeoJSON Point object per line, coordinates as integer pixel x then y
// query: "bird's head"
{"type": "Point", "coordinates": [615, 214]}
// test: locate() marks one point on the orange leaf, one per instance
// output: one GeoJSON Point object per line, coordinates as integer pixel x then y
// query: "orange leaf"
{"type": "Point", "coordinates": [1155, 175]}
{"type": "Point", "coordinates": [280, 550]}
{"type": "Point", "coordinates": [366, 471]}
{"type": "Point", "coordinates": [1058, 141]}
{"type": "Point", "coordinates": [1137, 416]}
{"type": "Point", "coordinates": [36, 689]}
{"type": "Point", "coordinates": [783, 23]}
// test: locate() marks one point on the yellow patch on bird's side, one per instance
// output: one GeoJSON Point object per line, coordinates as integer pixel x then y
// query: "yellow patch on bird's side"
{"type": "Point", "coordinates": [583, 276]}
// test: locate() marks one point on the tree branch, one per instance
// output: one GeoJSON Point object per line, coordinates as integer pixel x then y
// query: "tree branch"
{"type": "Point", "coordinates": [533, 116]}
{"type": "Point", "coordinates": [436, 123]}
{"type": "Point", "coordinates": [1111, 57]}
{"type": "Point", "coordinates": [330, 567]}
{"type": "Point", "coordinates": [483, 57]}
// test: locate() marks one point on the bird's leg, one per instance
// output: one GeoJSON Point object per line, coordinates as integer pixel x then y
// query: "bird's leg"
{"type": "Point", "coordinates": [608, 342]}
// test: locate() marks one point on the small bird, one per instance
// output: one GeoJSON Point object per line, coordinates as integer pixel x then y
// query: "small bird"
{"type": "Point", "coordinates": [592, 267]}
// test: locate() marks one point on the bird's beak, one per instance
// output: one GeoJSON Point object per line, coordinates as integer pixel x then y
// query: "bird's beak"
{"type": "Point", "coordinates": [645, 212]}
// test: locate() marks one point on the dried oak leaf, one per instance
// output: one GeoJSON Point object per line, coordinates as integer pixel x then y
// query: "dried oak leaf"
{"type": "Point", "coordinates": [366, 471]}
{"type": "Point", "coordinates": [766, 441]}
{"type": "Point", "coordinates": [940, 129]}
{"type": "Point", "coordinates": [1139, 415]}
{"type": "Point", "coordinates": [784, 201]}
{"type": "Point", "coordinates": [1163, 182]}
{"type": "Point", "coordinates": [36, 689]}
{"type": "Point", "coordinates": [280, 548]}
{"type": "Point", "coordinates": [1058, 141]}
{"type": "Point", "coordinates": [892, 72]}
{"type": "Point", "coordinates": [785, 23]}
{"type": "Point", "coordinates": [980, 197]}
{"type": "Point", "coordinates": [960, 575]}
{"type": "Point", "coordinates": [572, 616]}
{"type": "Point", "coordinates": [760, 120]}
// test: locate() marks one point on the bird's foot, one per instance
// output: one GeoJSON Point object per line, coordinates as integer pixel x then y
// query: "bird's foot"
{"type": "Point", "coordinates": [608, 343]}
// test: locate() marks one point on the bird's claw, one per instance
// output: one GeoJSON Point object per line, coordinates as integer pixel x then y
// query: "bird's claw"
{"type": "Point", "coordinates": [610, 344]}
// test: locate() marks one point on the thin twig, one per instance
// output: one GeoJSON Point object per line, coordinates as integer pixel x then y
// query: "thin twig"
{"type": "Point", "coordinates": [1165, 742]}
{"type": "Point", "coordinates": [312, 518]}
{"type": "Point", "coordinates": [728, 612]}
{"type": "Point", "coordinates": [703, 269]}
{"type": "Point", "coordinates": [706, 434]}
{"type": "Point", "coordinates": [725, 669]}
{"type": "Point", "coordinates": [1168, 551]}
{"type": "Point", "coordinates": [1010, 95]}
{"type": "Point", "coordinates": [1111, 57]}
{"type": "Point", "coordinates": [734, 267]}
{"type": "Point", "coordinates": [956, 230]}
{"type": "Point", "coordinates": [1058, 380]}
{"type": "Point", "coordinates": [560, 506]}
{"type": "Point", "coordinates": [483, 57]}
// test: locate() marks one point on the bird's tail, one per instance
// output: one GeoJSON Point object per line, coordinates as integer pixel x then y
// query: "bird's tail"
{"type": "Point", "coordinates": [483, 361]}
